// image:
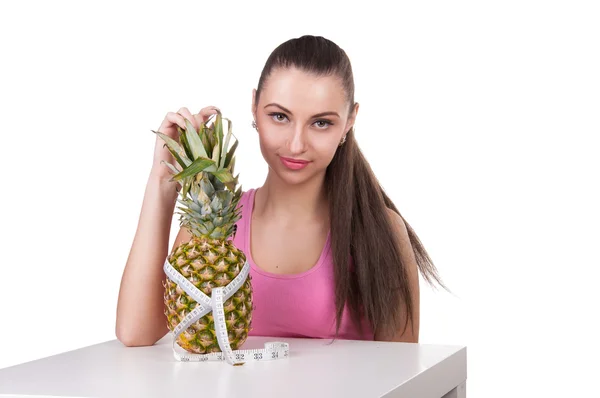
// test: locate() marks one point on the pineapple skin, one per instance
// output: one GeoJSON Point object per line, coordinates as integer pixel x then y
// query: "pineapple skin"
{"type": "Point", "coordinates": [208, 263]}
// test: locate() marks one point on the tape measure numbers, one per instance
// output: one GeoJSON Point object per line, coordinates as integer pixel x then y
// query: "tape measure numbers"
{"type": "Point", "coordinates": [271, 350]}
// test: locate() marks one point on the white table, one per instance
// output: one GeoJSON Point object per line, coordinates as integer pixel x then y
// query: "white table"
{"type": "Point", "coordinates": [315, 368]}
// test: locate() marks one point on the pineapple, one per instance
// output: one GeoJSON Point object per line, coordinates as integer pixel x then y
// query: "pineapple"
{"type": "Point", "coordinates": [209, 200]}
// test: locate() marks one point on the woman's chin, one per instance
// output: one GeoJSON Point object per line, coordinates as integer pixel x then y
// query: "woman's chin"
{"type": "Point", "coordinates": [293, 177]}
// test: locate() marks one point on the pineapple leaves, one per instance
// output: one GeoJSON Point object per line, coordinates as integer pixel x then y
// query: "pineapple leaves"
{"type": "Point", "coordinates": [195, 189]}
{"type": "Point", "coordinates": [216, 154]}
{"type": "Point", "coordinates": [175, 149]}
{"type": "Point", "coordinates": [206, 186]}
{"type": "Point", "coordinates": [198, 165]}
{"type": "Point", "coordinates": [230, 155]}
{"type": "Point", "coordinates": [184, 142]}
{"type": "Point", "coordinates": [210, 136]}
{"type": "Point", "coordinates": [219, 131]}
{"type": "Point", "coordinates": [231, 165]}
{"type": "Point", "coordinates": [226, 178]}
{"type": "Point", "coordinates": [187, 183]}
{"type": "Point", "coordinates": [205, 140]}
{"type": "Point", "coordinates": [194, 141]}
{"type": "Point", "coordinates": [205, 170]}
{"type": "Point", "coordinates": [170, 166]}
{"type": "Point", "coordinates": [222, 164]}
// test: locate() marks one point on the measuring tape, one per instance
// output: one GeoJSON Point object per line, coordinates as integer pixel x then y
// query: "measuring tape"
{"type": "Point", "coordinates": [271, 351]}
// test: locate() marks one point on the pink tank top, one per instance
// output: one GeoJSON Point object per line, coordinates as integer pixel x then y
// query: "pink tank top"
{"type": "Point", "coordinates": [296, 305]}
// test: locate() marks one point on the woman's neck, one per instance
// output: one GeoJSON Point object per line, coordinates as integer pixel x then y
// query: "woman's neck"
{"type": "Point", "coordinates": [277, 200]}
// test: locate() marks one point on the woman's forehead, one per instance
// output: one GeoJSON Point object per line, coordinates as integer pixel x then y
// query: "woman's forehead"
{"type": "Point", "coordinates": [303, 92]}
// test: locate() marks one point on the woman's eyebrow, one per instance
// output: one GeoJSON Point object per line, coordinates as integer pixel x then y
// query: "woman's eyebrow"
{"type": "Point", "coordinates": [290, 112]}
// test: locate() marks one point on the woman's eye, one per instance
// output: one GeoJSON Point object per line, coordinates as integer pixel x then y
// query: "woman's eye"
{"type": "Point", "coordinates": [280, 117]}
{"type": "Point", "coordinates": [277, 115]}
{"type": "Point", "coordinates": [325, 123]}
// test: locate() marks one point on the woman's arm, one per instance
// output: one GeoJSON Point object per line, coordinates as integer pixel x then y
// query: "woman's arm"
{"type": "Point", "coordinates": [140, 308]}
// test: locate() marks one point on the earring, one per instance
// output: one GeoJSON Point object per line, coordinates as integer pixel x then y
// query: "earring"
{"type": "Point", "coordinates": [344, 138]}
{"type": "Point", "coordinates": [254, 125]}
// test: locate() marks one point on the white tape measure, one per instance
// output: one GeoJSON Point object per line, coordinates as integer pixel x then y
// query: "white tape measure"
{"type": "Point", "coordinates": [272, 350]}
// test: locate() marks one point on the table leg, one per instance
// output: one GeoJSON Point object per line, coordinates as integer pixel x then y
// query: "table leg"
{"type": "Point", "coordinates": [459, 391]}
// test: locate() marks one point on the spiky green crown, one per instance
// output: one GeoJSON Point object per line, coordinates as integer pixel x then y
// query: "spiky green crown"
{"type": "Point", "coordinates": [209, 194]}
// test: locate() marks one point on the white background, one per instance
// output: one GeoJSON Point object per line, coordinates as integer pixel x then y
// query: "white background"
{"type": "Point", "coordinates": [480, 119]}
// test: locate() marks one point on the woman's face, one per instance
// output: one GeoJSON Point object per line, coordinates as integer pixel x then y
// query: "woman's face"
{"type": "Point", "coordinates": [301, 119]}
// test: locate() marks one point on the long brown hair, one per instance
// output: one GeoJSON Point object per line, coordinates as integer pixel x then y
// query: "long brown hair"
{"type": "Point", "coordinates": [361, 229]}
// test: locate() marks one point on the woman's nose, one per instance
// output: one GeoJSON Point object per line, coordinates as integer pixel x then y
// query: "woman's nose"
{"type": "Point", "coordinates": [298, 141]}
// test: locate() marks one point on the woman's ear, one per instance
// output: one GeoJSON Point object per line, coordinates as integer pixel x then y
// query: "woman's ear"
{"type": "Point", "coordinates": [253, 110]}
{"type": "Point", "coordinates": [253, 103]}
{"type": "Point", "coordinates": [352, 117]}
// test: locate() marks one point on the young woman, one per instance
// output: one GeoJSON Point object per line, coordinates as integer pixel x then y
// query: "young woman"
{"type": "Point", "coordinates": [330, 253]}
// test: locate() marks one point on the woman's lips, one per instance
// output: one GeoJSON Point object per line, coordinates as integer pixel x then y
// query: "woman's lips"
{"type": "Point", "coordinates": [293, 164]}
